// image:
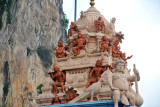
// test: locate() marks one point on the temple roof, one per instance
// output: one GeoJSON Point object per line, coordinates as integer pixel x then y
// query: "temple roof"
{"type": "Point", "coordinates": [87, 18]}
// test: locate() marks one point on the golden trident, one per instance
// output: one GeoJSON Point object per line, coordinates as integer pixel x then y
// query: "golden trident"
{"type": "Point", "coordinates": [92, 3]}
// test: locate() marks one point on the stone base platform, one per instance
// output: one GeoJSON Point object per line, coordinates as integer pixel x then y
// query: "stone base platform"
{"type": "Point", "coordinates": [108, 103]}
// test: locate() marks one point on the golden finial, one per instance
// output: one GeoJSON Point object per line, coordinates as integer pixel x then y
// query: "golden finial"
{"type": "Point", "coordinates": [92, 3]}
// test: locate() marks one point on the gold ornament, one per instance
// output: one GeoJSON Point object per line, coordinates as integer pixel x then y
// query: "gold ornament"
{"type": "Point", "coordinates": [92, 3]}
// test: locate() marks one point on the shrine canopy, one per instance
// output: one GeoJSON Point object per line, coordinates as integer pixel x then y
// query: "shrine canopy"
{"type": "Point", "coordinates": [86, 22]}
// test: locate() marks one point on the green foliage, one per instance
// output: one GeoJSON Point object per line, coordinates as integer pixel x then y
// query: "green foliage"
{"type": "Point", "coordinates": [1, 23]}
{"type": "Point", "coordinates": [9, 17]}
{"type": "Point", "coordinates": [3, 106]}
{"type": "Point", "coordinates": [39, 91]}
{"type": "Point", "coordinates": [46, 55]}
{"type": "Point", "coordinates": [9, 4]}
{"type": "Point", "coordinates": [64, 21]}
{"type": "Point", "coordinates": [2, 8]}
{"type": "Point", "coordinates": [66, 34]}
{"type": "Point", "coordinates": [28, 51]}
{"type": "Point", "coordinates": [5, 5]}
{"type": "Point", "coordinates": [6, 88]}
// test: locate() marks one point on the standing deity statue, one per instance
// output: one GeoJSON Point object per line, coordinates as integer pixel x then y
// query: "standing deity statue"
{"type": "Point", "coordinates": [60, 51]}
{"type": "Point", "coordinates": [72, 28]}
{"type": "Point", "coordinates": [100, 26]}
{"type": "Point", "coordinates": [79, 43]}
{"type": "Point", "coordinates": [112, 26]}
{"type": "Point", "coordinates": [97, 70]}
{"type": "Point", "coordinates": [119, 83]}
{"type": "Point", "coordinates": [60, 76]}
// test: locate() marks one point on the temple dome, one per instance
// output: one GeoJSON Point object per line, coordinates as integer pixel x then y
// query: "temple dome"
{"type": "Point", "coordinates": [87, 18]}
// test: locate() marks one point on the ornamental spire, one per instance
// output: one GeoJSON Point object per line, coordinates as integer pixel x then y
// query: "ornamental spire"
{"type": "Point", "coordinates": [92, 3]}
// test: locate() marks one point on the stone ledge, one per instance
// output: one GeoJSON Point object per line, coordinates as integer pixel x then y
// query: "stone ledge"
{"type": "Point", "coordinates": [108, 103]}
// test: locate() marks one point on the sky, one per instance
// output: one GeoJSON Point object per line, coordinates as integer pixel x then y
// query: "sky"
{"type": "Point", "coordinates": [139, 21]}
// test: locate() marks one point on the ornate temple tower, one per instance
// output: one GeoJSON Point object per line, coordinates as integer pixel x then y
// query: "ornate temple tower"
{"type": "Point", "coordinates": [88, 62]}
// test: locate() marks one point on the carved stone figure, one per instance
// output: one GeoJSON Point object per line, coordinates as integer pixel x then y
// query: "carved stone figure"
{"type": "Point", "coordinates": [60, 51]}
{"type": "Point", "coordinates": [91, 38]}
{"type": "Point", "coordinates": [79, 44]}
{"type": "Point", "coordinates": [60, 76]}
{"type": "Point", "coordinates": [71, 93]}
{"type": "Point", "coordinates": [72, 28]}
{"type": "Point", "coordinates": [119, 84]}
{"type": "Point", "coordinates": [112, 22]}
{"type": "Point", "coordinates": [65, 100]}
{"type": "Point", "coordinates": [123, 56]}
{"type": "Point", "coordinates": [120, 36]}
{"type": "Point", "coordinates": [100, 26]}
{"type": "Point", "coordinates": [116, 50]}
{"type": "Point", "coordinates": [82, 15]}
{"type": "Point", "coordinates": [97, 70]}
{"type": "Point", "coordinates": [105, 44]}
{"type": "Point", "coordinates": [71, 96]}
{"type": "Point", "coordinates": [112, 26]}
{"type": "Point", "coordinates": [89, 92]}
{"type": "Point", "coordinates": [56, 100]}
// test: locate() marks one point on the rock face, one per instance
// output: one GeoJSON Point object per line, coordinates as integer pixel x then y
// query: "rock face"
{"type": "Point", "coordinates": [34, 23]}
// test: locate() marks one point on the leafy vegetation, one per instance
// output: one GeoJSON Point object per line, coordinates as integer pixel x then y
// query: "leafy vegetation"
{"type": "Point", "coordinates": [66, 34]}
{"type": "Point", "coordinates": [39, 91]}
{"type": "Point", "coordinates": [5, 5]}
{"type": "Point", "coordinates": [64, 23]}
{"type": "Point", "coordinates": [9, 16]}
{"type": "Point", "coordinates": [6, 88]}
{"type": "Point", "coordinates": [3, 106]}
{"type": "Point", "coordinates": [6, 79]}
{"type": "Point", "coordinates": [28, 51]}
{"type": "Point", "coordinates": [45, 55]}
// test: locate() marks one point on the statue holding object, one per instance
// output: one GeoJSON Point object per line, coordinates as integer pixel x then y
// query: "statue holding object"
{"type": "Point", "coordinates": [123, 56]}
{"type": "Point", "coordinates": [100, 26]}
{"type": "Point", "coordinates": [79, 44]}
{"type": "Point", "coordinates": [105, 44]}
{"type": "Point", "coordinates": [73, 27]}
{"type": "Point", "coordinates": [116, 50]}
{"type": "Point", "coordinates": [97, 70]}
{"type": "Point", "coordinates": [60, 51]}
{"type": "Point", "coordinates": [119, 84]}
{"type": "Point", "coordinates": [60, 76]}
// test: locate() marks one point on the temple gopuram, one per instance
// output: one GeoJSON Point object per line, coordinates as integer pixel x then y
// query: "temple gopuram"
{"type": "Point", "coordinates": [90, 70]}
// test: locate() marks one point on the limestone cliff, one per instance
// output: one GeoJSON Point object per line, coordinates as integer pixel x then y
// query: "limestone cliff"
{"type": "Point", "coordinates": [34, 23]}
